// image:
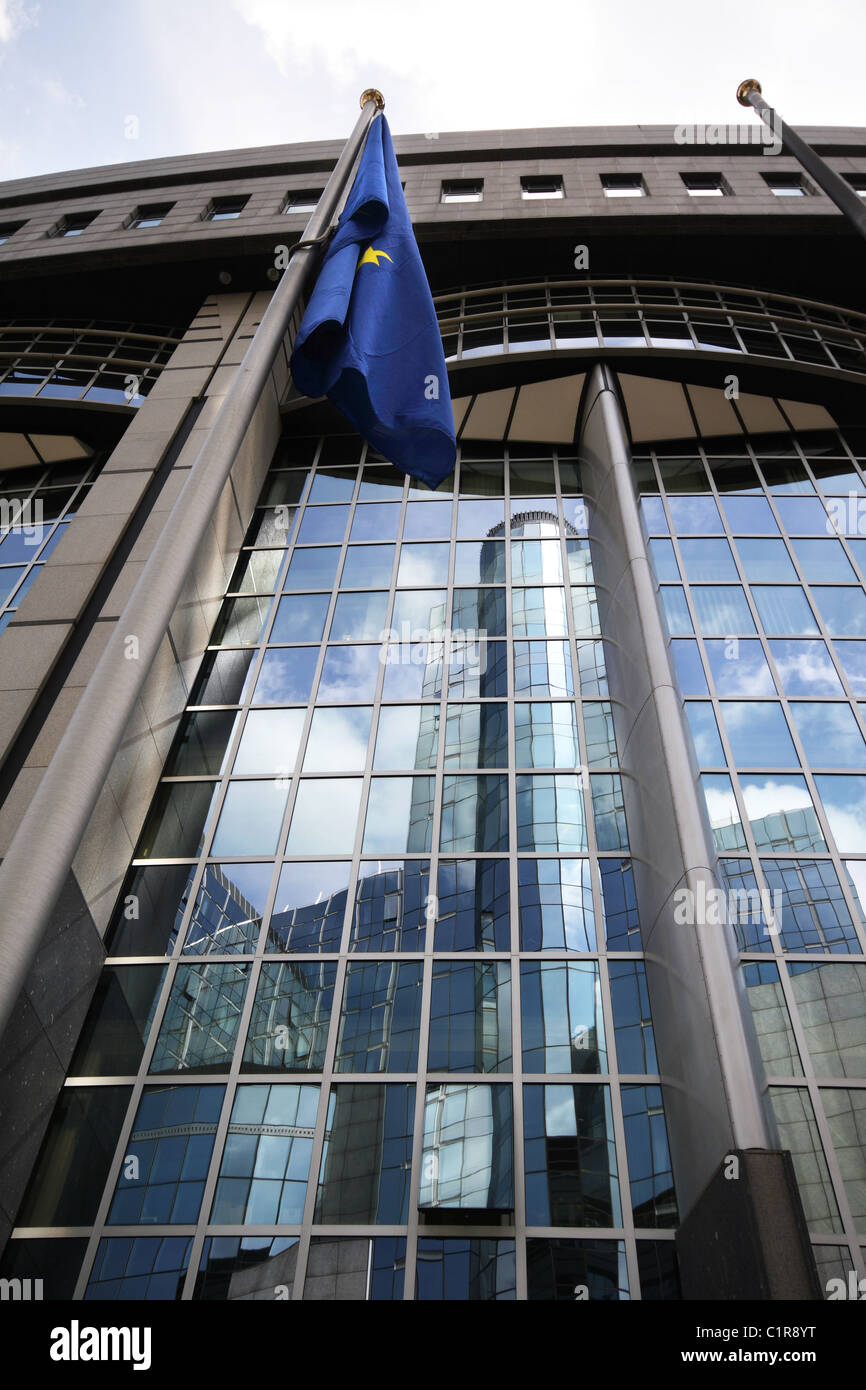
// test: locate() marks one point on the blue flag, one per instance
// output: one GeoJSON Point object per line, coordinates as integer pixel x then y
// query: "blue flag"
{"type": "Point", "coordinates": [369, 339]}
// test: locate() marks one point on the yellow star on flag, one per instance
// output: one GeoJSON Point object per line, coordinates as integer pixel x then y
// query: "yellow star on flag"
{"type": "Point", "coordinates": [372, 256]}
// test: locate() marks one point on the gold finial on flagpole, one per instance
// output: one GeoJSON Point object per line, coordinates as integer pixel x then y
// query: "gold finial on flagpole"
{"type": "Point", "coordinates": [751, 84]}
{"type": "Point", "coordinates": [372, 94]}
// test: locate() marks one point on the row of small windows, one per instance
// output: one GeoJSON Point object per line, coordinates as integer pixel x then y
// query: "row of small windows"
{"type": "Point", "coordinates": [698, 185]}
{"type": "Point", "coordinates": [222, 209]}
{"type": "Point", "coordinates": [532, 186]}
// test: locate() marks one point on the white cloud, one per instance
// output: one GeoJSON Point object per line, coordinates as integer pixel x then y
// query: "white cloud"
{"type": "Point", "coordinates": [55, 91]}
{"type": "Point", "coordinates": [15, 15]}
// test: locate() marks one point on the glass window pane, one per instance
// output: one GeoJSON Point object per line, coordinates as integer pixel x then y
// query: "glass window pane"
{"type": "Point", "coordinates": [468, 1159]}
{"type": "Point", "coordinates": [695, 516]}
{"type": "Point", "coordinates": [722, 610]}
{"type": "Point", "coordinates": [300, 619]}
{"type": "Point", "coordinates": [464, 1271]}
{"type": "Point", "coordinates": [470, 1016]}
{"type": "Point", "coordinates": [348, 674]}
{"type": "Point", "coordinates": [705, 734]}
{"type": "Point", "coordinates": [784, 609]}
{"type": "Point", "coordinates": [632, 1019]}
{"type": "Point", "coordinates": [222, 678]}
{"type": "Point", "coordinates": [823, 562]}
{"type": "Point", "coordinates": [265, 1167]}
{"type": "Point", "coordinates": [380, 1017]}
{"type": "Point", "coordinates": [176, 821]}
{"type": "Point", "coordinates": [413, 671]}
{"type": "Point", "coordinates": [392, 906]}
{"type": "Point", "coordinates": [476, 736]}
{"type": "Point", "coordinates": [325, 817]}
{"type": "Point", "coordinates": [419, 614]}
{"type": "Point", "coordinates": [577, 1123]}
{"type": "Point", "coordinates": [286, 676]}
{"type": "Point", "coordinates": [772, 1023]}
{"type": "Point", "coordinates": [765, 560]}
{"type": "Point", "coordinates": [367, 567]}
{"type": "Point", "coordinates": [798, 1132]}
{"type": "Point", "coordinates": [722, 810]}
{"type": "Point", "coordinates": [805, 668]}
{"type": "Point", "coordinates": [251, 817]}
{"type": "Point", "coordinates": [427, 519]}
{"type": "Point", "coordinates": [399, 815]}
{"type": "Point", "coordinates": [739, 668]}
{"type": "Point", "coordinates": [539, 613]}
{"type": "Point", "coordinates": [545, 735]}
{"type": "Point", "coordinates": [843, 611]}
{"type": "Point", "coordinates": [227, 915]}
{"type": "Point", "coordinates": [550, 813]}
{"type": "Point", "coordinates": [708, 559]}
{"type": "Point", "coordinates": [172, 1140]}
{"type": "Point", "coordinates": [479, 562]}
{"type": "Point", "coordinates": [200, 745]}
{"type": "Point", "coordinates": [479, 611]}
{"type": "Point", "coordinates": [321, 525]}
{"type": "Point", "coordinates": [474, 814]}
{"type": "Point", "coordinates": [676, 611]}
{"type": "Point", "coordinates": [781, 813]}
{"type": "Point", "coordinates": [407, 737]}
{"type": "Point", "coordinates": [831, 1001]}
{"type": "Point", "coordinates": [844, 801]}
{"type": "Point", "coordinates": [649, 1164]}
{"type": "Point", "coordinates": [830, 734]}
{"type": "Point", "coordinates": [309, 908]}
{"type": "Point", "coordinates": [472, 912]}
{"type": "Point", "coordinates": [118, 1022]}
{"type": "Point", "coordinates": [359, 616]}
{"type": "Point", "coordinates": [150, 910]}
{"type": "Point", "coordinates": [375, 522]}
{"type": "Point", "coordinates": [313, 569]}
{"type": "Point", "coordinates": [758, 734]}
{"type": "Point", "coordinates": [423, 565]}
{"type": "Point", "coordinates": [337, 740]}
{"type": "Point", "coordinates": [562, 1023]}
{"type": "Point", "coordinates": [476, 667]}
{"type": "Point", "coordinates": [270, 742]}
{"type": "Point", "coordinates": [543, 668]}
{"type": "Point", "coordinates": [556, 909]}
{"type": "Point", "coordinates": [852, 656]}
{"type": "Point", "coordinates": [750, 515]}
{"type": "Point", "coordinates": [664, 560]}
{"type": "Point", "coordinates": [367, 1157]}
{"type": "Point", "coordinates": [479, 518]}
{"type": "Point", "coordinates": [200, 1026]}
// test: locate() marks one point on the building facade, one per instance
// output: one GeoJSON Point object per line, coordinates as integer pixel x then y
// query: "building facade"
{"type": "Point", "coordinates": [475, 907]}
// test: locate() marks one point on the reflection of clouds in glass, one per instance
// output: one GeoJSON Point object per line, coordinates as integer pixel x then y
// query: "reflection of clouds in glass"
{"type": "Point", "coordinates": [853, 658]}
{"type": "Point", "coordinates": [805, 668]}
{"type": "Point", "coordinates": [349, 673]}
{"type": "Point", "coordinates": [739, 668]}
{"type": "Point", "coordinates": [338, 740]}
{"type": "Point", "coordinates": [844, 800]}
{"type": "Point", "coordinates": [303, 884]}
{"type": "Point", "coordinates": [721, 803]}
{"type": "Point", "coordinates": [768, 797]}
{"type": "Point", "coordinates": [423, 564]}
{"type": "Point", "coordinates": [325, 816]}
{"type": "Point", "coordinates": [269, 742]}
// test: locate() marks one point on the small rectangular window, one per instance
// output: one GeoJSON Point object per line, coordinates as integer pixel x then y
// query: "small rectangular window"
{"type": "Point", "coordinates": [8, 229]}
{"type": "Point", "coordinates": [149, 215]}
{"type": "Point", "coordinates": [462, 190]}
{"type": "Point", "coordinates": [541, 186]}
{"type": "Point", "coordinates": [857, 182]}
{"type": "Point", "coordinates": [705, 185]}
{"type": "Point", "coordinates": [302, 200]}
{"type": "Point", "coordinates": [224, 209]}
{"type": "Point", "coordinates": [623, 185]}
{"type": "Point", "coordinates": [72, 224]}
{"type": "Point", "coordinates": [787, 185]}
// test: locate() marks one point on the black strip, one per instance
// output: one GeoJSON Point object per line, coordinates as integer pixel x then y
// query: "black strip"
{"type": "Point", "coordinates": [19, 751]}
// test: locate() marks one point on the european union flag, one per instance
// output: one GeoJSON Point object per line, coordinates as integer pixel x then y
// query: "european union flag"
{"type": "Point", "coordinates": [369, 339]}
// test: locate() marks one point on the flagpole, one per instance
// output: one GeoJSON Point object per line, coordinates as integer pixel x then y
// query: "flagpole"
{"type": "Point", "coordinates": [40, 855]}
{"type": "Point", "coordinates": [837, 188]}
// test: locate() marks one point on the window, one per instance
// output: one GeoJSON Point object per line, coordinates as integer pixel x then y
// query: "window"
{"type": "Point", "coordinates": [788, 185]}
{"type": "Point", "coordinates": [224, 209]}
{"type": "Point", "coordinates": [623, 185]}
{"type": "Point", "coordinates": [857, 182]}
{"type": "Point", "coordinates": [541, 186]}
{"type": "Point", "coordinates": [302, 200]}
{"type": "Point", "coordinates": [705, 185]}
{"type": "Point", "coordinates": [8, 229]}
{"type": "Point", "coordinates": [462, 190]}
{"type": "Point", "coordinates": [72, 224]}
{"type": "Point", "coordinates": [149, 215]}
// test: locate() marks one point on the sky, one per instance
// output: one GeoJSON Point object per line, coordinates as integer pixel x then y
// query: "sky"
{"type": "Point", "coordinates": [91, 82]}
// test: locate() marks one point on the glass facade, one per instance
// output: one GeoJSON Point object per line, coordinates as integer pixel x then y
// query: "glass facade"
{"type": "Point", "coordinates": [374, 1020]}
{"type": "Point", "coordinates": [760, 560]}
